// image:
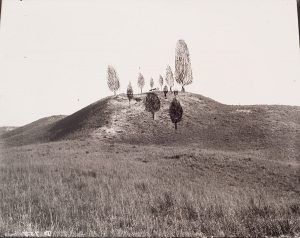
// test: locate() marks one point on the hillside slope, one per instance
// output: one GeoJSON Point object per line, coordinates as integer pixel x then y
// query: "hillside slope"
{"type": "Point", "coordinates": [34, 132]}
{"type": "Point", "coordinates": [6, 129]}
{"type": "Point", "coordinates": [271, 130]}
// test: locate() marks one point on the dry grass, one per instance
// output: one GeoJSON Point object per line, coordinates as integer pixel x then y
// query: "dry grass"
{"type": "Point", "coordinates": [86, 187]}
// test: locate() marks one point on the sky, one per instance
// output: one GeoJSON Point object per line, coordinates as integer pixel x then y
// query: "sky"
{"type": "Point", "coordinates": [54, 53]}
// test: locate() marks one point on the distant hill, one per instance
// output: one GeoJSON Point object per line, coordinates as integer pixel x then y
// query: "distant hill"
{"type": "Point", "coordinates": [5, 129]}
{"type": "Point", "coordinates": [272, 130]}
{"type": "Point", "coordinates": [35, 132]}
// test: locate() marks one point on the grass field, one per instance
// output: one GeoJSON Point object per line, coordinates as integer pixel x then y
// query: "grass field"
{"type": "Point", "coordinates": [89, 187]}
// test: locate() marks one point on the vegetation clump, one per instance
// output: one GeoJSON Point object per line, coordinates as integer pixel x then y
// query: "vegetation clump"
{"type": "Point", "coordinates": [151, 83]}
{"type": "Point", "coordinates": [129, 92]}
{"type": "Point", "coordinates": [112, 79]}
{"type": "Point", "coordinates": [169, 77]}
{"type": "Point", "coordinates": [165, 90]}
{"type": "Point", "coordinates": [141, 82]}
{"type": "Point", "coordinates": [175, 112]}
{"type": "Point", "coordinates": [183, 70]}
{"type": "Point", "coordinates": [152, 103]}
{"type": "Point", "coordinates": [161, 81]}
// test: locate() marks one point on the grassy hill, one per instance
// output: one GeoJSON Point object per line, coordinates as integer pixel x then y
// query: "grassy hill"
{"type": "Point", "coordinates": [88, 187]}
{"type": "Point", "coordinates": [111, 170]}
{"type": "Point", "coordinates": [35, 132]}
{"type": "Point", "coordinates": [273, 130]}
{"type": "Point", "coordinates": [6, 129]}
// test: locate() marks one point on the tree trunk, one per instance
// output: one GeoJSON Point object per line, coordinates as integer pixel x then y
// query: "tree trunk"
{"type": "Point", "coordinates": [183, 90]}
{"type": "Point", "coordinates": [175, 125]}
{"type": "Point", "coordinates": [153, 115]}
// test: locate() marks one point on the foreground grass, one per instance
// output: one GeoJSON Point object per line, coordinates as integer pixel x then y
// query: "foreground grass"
{"type": "Point", "coordinates": [88, 188]}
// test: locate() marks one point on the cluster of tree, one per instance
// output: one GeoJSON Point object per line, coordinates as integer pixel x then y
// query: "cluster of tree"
{"type": "Point", "coordinates": [183, 73]}
{"type": "Point", "coordinates": [183, 76]}
{"type": "Point", "coordinates": [153, 104]}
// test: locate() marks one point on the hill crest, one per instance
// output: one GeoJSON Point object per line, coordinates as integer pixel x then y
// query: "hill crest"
{"type": "Point", "coordinates": [271, 129]}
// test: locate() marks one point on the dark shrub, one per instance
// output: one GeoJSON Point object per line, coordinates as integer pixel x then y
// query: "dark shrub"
{"type": "Point", "coordinates": [175, 112]}
{"type": "Point", "coordinates": [152, 103]}
{"type": "Point", "coordinates": [129, 92]}
{"type": "Point", "coordinates": [166, 90]}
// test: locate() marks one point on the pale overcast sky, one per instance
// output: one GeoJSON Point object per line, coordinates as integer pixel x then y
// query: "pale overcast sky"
{"type": "Point", "coordinates": [54, 53]}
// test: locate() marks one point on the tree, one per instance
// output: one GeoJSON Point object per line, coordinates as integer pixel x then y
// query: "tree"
{"type": "Point", "coordinates": [129, 92]}
{"type": "Point", "coordinates": [141, 82]}
{"type": "Point", "coordinates": [151, 83]}
{"type": "Point", "coordinates": [166, 90]}
{"type": "Point", "coordinates": [175, 92]}
{"type": "Point", "coordinates": [112, 79]}
{"type": "Point", "coordinates": [175, 112]}
{"type": "Point", "coordinates": [169, 77]}
{"type": "Point", "coordinates": [152, 103]}
{"type": "Point", "coordinates": [183, 70]}
{"type": "Point", "coordinates": [161, 81]}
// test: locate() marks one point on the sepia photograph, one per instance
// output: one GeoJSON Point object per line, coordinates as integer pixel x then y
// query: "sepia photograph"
{"type": "Point", "coordinates": [150, 118]}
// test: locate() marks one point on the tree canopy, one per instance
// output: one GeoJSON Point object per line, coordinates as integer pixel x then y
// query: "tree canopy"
{"type": "Point", "coordinates": [152, 103]}
{"type": "Point", "coordinates": [175, 112]}
{"type": "Point", "coordinates": [169, 77]}
{"type": "Point", "coordinates": [141, 82]}
{"type": "Point", "coordinates": [112, 79]}
{"type": "Point", "coordinates": [183, 70]}
{"type": "Point", "coordinates": [129, 92]}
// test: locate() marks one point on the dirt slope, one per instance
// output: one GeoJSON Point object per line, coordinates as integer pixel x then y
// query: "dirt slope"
{"type": "Point", "coordinates": [274, 131]}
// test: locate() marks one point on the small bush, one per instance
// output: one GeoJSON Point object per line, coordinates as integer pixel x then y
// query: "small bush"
{"type": "Point", "coordinates": [175, 112]}
{"type": "Point", "coordinates": [152, 103]}
{"type": "Point", "coordinates": [166, 90]}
